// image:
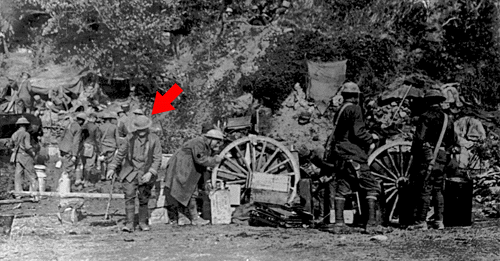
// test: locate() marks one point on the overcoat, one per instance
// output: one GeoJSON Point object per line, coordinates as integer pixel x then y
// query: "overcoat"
{"type": "Point", "coordinates": [186, 167]}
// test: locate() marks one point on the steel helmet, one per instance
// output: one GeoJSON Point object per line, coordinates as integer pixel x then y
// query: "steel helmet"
{"type": "Point", "coordinates": [350, 87]}
{"type": "Point", "coordinates": [215, 134]}
{"type": "Point", "coordinates": [434, 96]}
{"type": "Point", "coordinates": [22, 120]}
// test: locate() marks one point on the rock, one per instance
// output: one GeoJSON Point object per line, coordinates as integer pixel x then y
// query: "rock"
{"type": "Point", "coordinates": [379, 238]}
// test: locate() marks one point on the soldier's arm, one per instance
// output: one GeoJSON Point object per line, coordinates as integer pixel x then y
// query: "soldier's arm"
{"type": "Point", "coordinates": [156, 157]}
{"type": "Point", "coordinates": [27, 144]}
{"type": "Point", "coordinates": [359, 127]}
{"type": "Point", "coordinates": [202, 156]}
{"type": "Point", "coordinates": [98, 138]}
{"type": "Point", "coordinates": [418, 138]}
{"type": "Point", "coordinates": [120, 155]}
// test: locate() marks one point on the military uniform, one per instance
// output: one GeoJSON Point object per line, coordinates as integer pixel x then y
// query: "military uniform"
{"type": "Point", "coordinates": [108, 142]}
{"type": "Point", "coordinates": [429, 127]}
{"type": "Point", "coordinates": [91, 135]}
{"type": "Point", "coordinates": [70, 146]}
{"type": "Point", "coordinates": [350, 143]}
{"type": "Point", "coordinates": [139, 155]}
{"type": "Point", "coordinates": [24, 160]}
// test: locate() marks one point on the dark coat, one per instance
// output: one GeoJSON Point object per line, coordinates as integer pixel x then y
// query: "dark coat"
{"type": "Point", "coordinates": [72, 139]}
{"type": "Point", "coordinates": [186, 167]}
{"type": "Point", "coordinates": [429, 127]}
{"type": "Point", "coordinates": [351, 138]}
{"type": "Point", "coordinates": [135, 162]}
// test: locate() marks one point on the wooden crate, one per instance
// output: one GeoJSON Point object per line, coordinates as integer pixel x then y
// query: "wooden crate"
{"type": "Point", "coordinates": [269, 188]}
{"type": "Point", "coordinates": [264, 181]}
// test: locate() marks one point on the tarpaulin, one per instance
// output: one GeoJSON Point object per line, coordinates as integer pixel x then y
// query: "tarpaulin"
{"type": "Point", "coordinates": [325, 79]}
{"type": "Point", "coordinates": [55, 77]}
{"type": "Point", "coordinates": [399, 93]}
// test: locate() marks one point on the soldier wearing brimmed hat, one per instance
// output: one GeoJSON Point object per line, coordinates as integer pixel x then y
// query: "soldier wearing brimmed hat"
{"type": "Point", "coordinates": [428, 169]}
{"type": "Point", "coordinates": [108, 142]}
{"type": "Point", "coordinates": [23, 157]}
{"type": "Point", "coordinates": [141, 156]}
{"type": "Point", "coordinates": [71, 145]}
{"type": "Point", "coordinates": [349, 146]}
{"type": "Point", "coordinates": [185, 169]}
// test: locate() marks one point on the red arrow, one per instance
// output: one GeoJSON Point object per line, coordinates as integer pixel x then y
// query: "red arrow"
{"type": "Point", "coordinates": [162, 102]}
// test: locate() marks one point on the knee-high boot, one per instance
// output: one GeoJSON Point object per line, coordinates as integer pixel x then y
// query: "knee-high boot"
{"type": "Point", "coordinates": [143, 218]}
{"type": "Point", "coordinates": [130, 216]}
{"type": "Point", "coordinates": [340, 226]}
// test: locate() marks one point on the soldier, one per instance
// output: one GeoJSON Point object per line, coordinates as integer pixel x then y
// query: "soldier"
{"type": "Point", "coordinates": [24, 92]}
{"type": "Point", "coordinates": [109, 141]}
{"type": "Point", "coordinates": [349, 147]}
{"type": "Point", "coordinates": [185, 169]}
{"type": "Point", "coordinates": [141, 157]}
{"type": "Point", "coordinates": [91, 136]}
{"type": "Point", "coordinates": [23, 156]}
{"type": "Point", "coordinates": [71, 143]}
{"type": "Point", "coordinates": [428, 174]}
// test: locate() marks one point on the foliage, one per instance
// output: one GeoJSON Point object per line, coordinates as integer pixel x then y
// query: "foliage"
{"type": "Point", "coordinates": [449, 41]}
{"type": "Point", "coordinates": [120, 38]}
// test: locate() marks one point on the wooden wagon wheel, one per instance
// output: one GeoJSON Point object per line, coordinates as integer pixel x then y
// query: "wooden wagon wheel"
{"type": "Point", "coordinates": [259, 154]}
{"type": "Point", "coordinates": [390, 164]}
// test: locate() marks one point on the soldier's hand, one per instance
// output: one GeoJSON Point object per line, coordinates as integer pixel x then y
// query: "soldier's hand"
{"type": "Point", "coordinates": [219, 158]}
{"type": "Point", "coordinates": [73, 159]}
{"type": "Point", "coordinates": [146, 177]}
{"type": "Point", "coordinates": [110, 174]}
{"type": "Point", "coordinates": [375, 136]}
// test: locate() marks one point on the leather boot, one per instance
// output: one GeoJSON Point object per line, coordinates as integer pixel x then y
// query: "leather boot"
{"type": "Point", "coordinates": [340, 226]}
{"type": "Point", "coordinates": [195, 218]}
{"type": "Point", "coordinates": [371, 225]}
{"type": "Point", "coordinates": [182, 219]}
{"type": "Point", "coordinates": [143, 218]}
{"type": "Point", "coordinates": [438, 210]}
{"type": "Point", "coordinates": [130, 216]}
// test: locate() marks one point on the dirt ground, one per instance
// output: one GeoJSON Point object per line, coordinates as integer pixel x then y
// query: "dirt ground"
{"type": "Point", "coordinates": [38, 235]}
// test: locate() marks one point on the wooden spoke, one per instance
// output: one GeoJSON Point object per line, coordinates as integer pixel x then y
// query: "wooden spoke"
{"type": "Point", "coordinates": [240, 181]}
{"type": "Point", "coordinates": [278, 165]}
{"type": "Point", "coordinates": [407, 172]}
{"type": "Point", "coordinates": [254, 157]}
{"type": "Point", "coordinates": [394, 207]}
{"type": "Point", "coordinates": [382, 176]}
{"type": "Point", "coordinates": [243, 158]}
{"type": "Point", "coordinates": [237, 165]}
{"type": "Point", "coordinates": [386, 169]}
{"type": "Point", "coordinates": [261, 155]}
{"type": "Point", "coordinates": [394, 165]}
{"type": "Point", "coordinates": [269, 160]}
{"type": "Point", "coordinates": [392, 195]}
{"type": "Point", "coordinates": [239, 175]}
{"type": "Point", "coordinates": [401, 160]}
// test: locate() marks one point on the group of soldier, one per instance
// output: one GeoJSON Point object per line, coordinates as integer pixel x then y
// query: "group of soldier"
{"type": "Point", "coordinates": [123, 148]}
{"type": "Point", "coordinates": [123, 144]}
{"type": "Point", "coordinates": [347, 162]}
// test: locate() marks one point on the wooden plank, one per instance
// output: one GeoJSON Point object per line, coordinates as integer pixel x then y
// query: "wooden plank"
{"type": "Point", "coordinates": [15, 201]}
{"type": "Point", "coordinates": [279, 183]}
{"type": "Point", "coordinates": [266, 196]}
{"type": "Point", "coordinates": [68, 195]}
{"type": "Point", "coordinates": [239, 175]}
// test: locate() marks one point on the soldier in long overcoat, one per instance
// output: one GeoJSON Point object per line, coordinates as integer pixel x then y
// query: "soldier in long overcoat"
{"type": "Point", "coordinates": [140, 158]}
{"type": "Point", "coordinates": [185, 169]}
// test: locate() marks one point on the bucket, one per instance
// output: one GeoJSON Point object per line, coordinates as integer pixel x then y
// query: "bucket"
{"type": "Point", "coordinates": [6, 221]}
{"type": "Point", "coordinates": [164, 160]}
{"type": "Point", "coordinates": [64, 184]}
{"type": "Point", "coordinates": [40, 173]}
{"type": "Point", "coordinates": [458, 202]}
